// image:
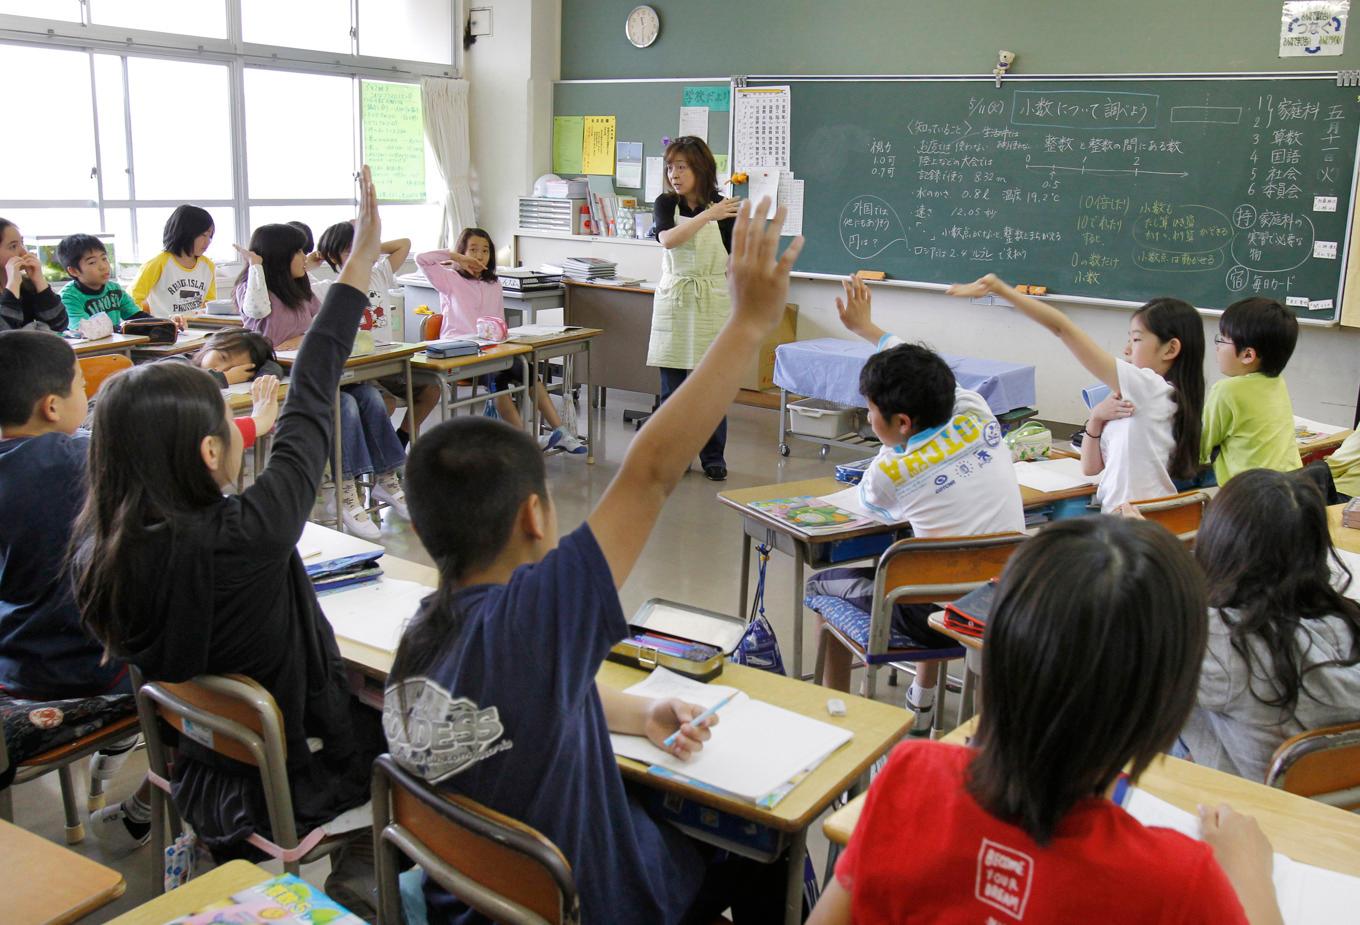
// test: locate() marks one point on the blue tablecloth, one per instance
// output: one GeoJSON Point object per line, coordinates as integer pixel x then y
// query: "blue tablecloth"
{"type": "Point", "coordinates": [829, 368]}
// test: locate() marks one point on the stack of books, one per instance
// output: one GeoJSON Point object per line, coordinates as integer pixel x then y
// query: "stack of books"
{"type": "Point", "coordinates": [588, 268]}
{"type": "Point", "coordinates": [1350, 514]}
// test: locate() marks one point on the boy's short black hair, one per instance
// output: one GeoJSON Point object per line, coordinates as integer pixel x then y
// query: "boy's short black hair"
{"type": "Point", "coordinates": [185, 224]}
{"type": "Point", "coordinates": [33, 365]}
{"type": "Point", "coordinates": [909, 379]}
{"type": "Point", "coordinates": [1264, 325]}
{"type": "Point", "coordinates": [75, 247]}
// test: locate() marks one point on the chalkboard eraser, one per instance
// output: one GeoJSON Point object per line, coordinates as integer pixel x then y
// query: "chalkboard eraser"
{"type": "Point", "coordinates": [1032, 290]}
{"type": "Point", "coordinates": [871, 274]}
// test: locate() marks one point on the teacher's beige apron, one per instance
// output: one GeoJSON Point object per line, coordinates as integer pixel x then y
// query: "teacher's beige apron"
{"type": "Point", "coordinates": [691, 303]}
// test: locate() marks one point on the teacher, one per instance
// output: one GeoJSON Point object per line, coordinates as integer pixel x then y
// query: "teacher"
{"type": "Point", "coordinates": [693, 222]}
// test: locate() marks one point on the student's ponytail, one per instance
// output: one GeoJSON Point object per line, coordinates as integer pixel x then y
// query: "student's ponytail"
{"type": "Point", "coordinates": [1171, 318]}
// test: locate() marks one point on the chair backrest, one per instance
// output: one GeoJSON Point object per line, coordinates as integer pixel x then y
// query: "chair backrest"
{"type": "Point", "coordinates": [429, 328]}
{"type": "Point", "coordinates": [1323, 764]}
{"type": "Point", "coordinates": [1181, 514]}
{"type": "Point", "coordinates": [502, 868]}
{"type": "Point", "coordinates": [232, 715]}
{"type": "Point", "coordinates": [97, 369]}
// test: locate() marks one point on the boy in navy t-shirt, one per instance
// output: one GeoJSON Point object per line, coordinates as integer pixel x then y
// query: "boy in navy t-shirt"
{"type": "Point", "coordinates": [493, 691]}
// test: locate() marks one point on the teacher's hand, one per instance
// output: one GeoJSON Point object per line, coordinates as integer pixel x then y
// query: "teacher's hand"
{"type": "Point", "coordinates": [724, 209]}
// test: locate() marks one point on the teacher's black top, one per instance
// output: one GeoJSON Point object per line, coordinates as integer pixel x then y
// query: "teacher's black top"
{"type": "Point", "coordinates": [663, 215]}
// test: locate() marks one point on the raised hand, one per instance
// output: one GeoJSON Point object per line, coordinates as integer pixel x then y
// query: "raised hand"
{"type": "Point", "coordinates": [984, 285]}
{"type": "Point", "coordinates": [248, 256]}
{"type": "Point", "coordinates": [855, 309]}
{"type": "Point", "coordinates": [757, 275]}
{"type": "Point", "coordinates": [367, 246]}
{"type": "Point", "coordinates": [264, 398]}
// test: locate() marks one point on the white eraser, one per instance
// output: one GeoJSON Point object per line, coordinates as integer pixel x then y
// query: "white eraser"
{"type": "Point", "coordinates": [835, 706]}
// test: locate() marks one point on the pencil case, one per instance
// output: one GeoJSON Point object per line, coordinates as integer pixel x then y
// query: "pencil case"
{"type": "Point", "coordinates": [446, 349]}
{"type": "Point", "coordinates": [687, 640]}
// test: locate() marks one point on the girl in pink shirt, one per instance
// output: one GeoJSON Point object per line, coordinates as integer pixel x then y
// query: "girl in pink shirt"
{"type": "Point", "coordinates": [469, 289]}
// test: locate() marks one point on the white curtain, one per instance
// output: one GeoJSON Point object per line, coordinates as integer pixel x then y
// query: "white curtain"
{"type": "Point", "coordinates": [445, 102]}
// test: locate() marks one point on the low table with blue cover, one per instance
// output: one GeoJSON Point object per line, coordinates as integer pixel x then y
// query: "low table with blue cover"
{"type": "Point", "coordinates": [828, 368]}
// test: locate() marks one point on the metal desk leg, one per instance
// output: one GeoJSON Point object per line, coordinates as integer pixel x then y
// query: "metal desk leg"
{"type": "Point", "coordinates": [532, 398]}
{"type": "Point", "coordinates": [783, 422]}
{"type": "Point", "coordinates": [592, 393]}
{"type": "Point", "coordinates": [793, 888]}
{"type": "Point", "coordinates": [528, 407]}
{"type": "Point", "coordinates": [337, 465]}
{"type": "Point", "coordinates": [745, 598]}
{"type": "Point", "coordinates": [799, 558]}
{"type": "Point", "coordinates": [446, 384]}
{"type": "Point", "coordinates": [412, 426]}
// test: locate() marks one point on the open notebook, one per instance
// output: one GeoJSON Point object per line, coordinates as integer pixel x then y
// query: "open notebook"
{"type": "Point", "coordinates": [1308, 895]}
{"type": "Point", "coordinates": [756, 751]}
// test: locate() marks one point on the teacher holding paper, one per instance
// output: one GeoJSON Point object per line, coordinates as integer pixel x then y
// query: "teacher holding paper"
{"type": "Point", "coordinates": [693, 222]}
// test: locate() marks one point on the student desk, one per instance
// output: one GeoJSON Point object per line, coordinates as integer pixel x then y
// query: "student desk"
{"type": "Point", "coordinates": [1346, 538]}
{"type": "Point", "coordinates": [385, 360]}
{"type": "Point", "coordinates": [877, 727]}
{"type": "Point", "coordinates": [216, 885]}
{"type": "Point", "coordinates": [185, 342]}
{"type": "Point", "coordinates": [625, 314]}
{"type": "Point", "coordinates": [564, 346]}
{"type": "Point", "coordinates": [239, 404]}
{"type": "Point", "coordinates": [1322, 446]}
{"type": "Point", "coordinates": [1300, 828]}
{"type": "Point", "coordinates": [494, 359]}
{"type": "Point", "coordinates": [104, 346]}
{"type": "Point", "coordinates": [823, 549]}
{"type": "Point", "coordinates": [217, 322]}
{"type": "Point", "coordinates": [46, 883]}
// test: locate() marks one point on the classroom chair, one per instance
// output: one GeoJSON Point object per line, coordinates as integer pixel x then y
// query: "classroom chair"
{"type": "Point", "coordinates": [910, 571]}
{"type": "Point", "coordinates": [235, 717]}
{"type": "Point", "coordinates": [61, 759]}
{"type": "Point", "coordinates": [97, 369]}
{"type": "Point", "coordinates": [429, 328]}
{"type": "Point", "coordinates": [1323, 764]}
{"type": "Point", "coordinates": [1181, 514]}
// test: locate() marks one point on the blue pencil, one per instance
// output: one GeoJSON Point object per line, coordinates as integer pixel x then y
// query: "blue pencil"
{"type": "Point", "coordinates": [702, 717]}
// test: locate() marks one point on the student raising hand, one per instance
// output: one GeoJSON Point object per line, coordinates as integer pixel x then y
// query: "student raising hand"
{"type": "Point", "coordinates": [367, 246]}
{"type": "Point", "coordinates": [855, 310]}
{"type": "Point", "coordinates": [264, 403]}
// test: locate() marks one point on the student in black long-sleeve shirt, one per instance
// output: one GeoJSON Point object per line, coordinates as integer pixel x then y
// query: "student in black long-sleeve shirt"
{"type": "Point", "coordinates": [26, 296]}
{"type": "Point", "coordinates": [180, 580]}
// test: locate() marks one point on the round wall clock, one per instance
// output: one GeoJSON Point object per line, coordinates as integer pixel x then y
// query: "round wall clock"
{"type": "Point", "coordinates": [643, 26]}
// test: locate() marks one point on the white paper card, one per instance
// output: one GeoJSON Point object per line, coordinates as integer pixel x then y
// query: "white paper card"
{"type": "Point", "coordinates": [1313, 28]}
{"type": "Point", "coordinates": [373, 614]}
{"type": "Point", "coordinates": [791, 198]}
{"type": "Point", "coordinates": [1324, 203]}
{"type": "Point", "coordinates": [1349, 587]}
{"type": "Point", "coordinates": [321, 544]}
{"type": "Point", "coordinates": [652, 181]}
{"type": "Point", "coordinates": [1296, 301]}
{"type": "Point", "coordinates": [1324, 249]}
{"type": "Point", "coordinates": [694, 121]}
{"type": "Point", "coordinates": [1053, 475]}
{"type": "Point", "coordinates": [763, 183]}
{"type": "Point", "coordinates": [1320, 305]}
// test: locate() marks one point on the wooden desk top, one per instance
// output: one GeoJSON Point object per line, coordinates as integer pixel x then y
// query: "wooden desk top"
{"type": "Point", "coordinates": [1324, 443]}
{"type": "Point", "coordinates": [382, 353]}
{"type": "Point", "coordinates": [535, 342]}
{"type": "Point", "coordinates": [112, 344]}
{"type": "Point", "coordinates": [581, 284]}
{"type": "Point", "coordinates": [507, 349]}
{"type": "Point", "coordinates": [185, 342]}
{"type": "Point", "coordinates": [217, 884]}
{"type": "Point", "coordinates": [739, 498]}
{"type": "Point", "coordinates": [877, 727]}
{"type": "Point", "coordinates": [1347, 538]}
{"type": "Point", "coordinates": [1297, 827]}
{"type": "Point", "coordinates": [47, 883]}
{"type": "Point", "coordinates": [205, 320]}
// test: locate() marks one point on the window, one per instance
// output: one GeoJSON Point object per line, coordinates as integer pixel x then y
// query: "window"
{"type": "Point", "coordinates": [66, 10]}
{"type": "Point", "coordinates": [181, 139]}
{"type": "Point", "coordinates": [56, 84]}
{"type": "Point", "coordinates": [318, 25]}
{"type": "Point", "coordinates": [412, 30]}
{"type": "Point", "coordinates": [298, 143]}
{"type": "Point", "coordinates": [208, 19]}
{"type": "Point", "coordinates": [111, 115]}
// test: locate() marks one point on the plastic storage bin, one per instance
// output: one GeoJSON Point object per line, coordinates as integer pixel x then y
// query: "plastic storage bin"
{"type": "Point", "coordinates": [817, 417]}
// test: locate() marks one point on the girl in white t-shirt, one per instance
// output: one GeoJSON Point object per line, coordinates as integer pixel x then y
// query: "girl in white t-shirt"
{"type": "Point", "coordinates": [179, 279]}
{"type": "Point", "coordinates": [1146, 433]}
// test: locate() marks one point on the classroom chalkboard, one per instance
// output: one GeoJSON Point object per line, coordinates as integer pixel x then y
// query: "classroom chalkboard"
{"type": "Point", "coordinates": [1208, 189]}
{"type": "Point", "coordinates": [647, 111]}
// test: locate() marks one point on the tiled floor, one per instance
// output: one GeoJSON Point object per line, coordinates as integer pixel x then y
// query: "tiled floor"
{"type": "Point", "coordinates": [693, 557]}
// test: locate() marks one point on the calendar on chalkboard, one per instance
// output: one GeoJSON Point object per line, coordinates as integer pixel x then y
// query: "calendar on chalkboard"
{"type": "Point", "coordinates": [1209, 189]}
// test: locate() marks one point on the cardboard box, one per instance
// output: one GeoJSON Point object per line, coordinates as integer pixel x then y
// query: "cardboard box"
{"type": "Point", "coordinates": [759, 374]}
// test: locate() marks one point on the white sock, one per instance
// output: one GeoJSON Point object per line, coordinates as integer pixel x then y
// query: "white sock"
{"type": "Point", "coordinates": [921, 701]}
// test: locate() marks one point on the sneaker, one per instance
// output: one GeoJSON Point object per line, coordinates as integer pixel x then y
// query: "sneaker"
{"type": "Point", "coordinates": [925, 717]}
{"type": "Point", "coordinates": [117, 834]}
{"type": "Point", "coordinates": [570, 443]}
{"type": "Point", "coordinates": [104, 767]}
{"type": "Point", "coordinates": [388, 490]}
{"type": "Point", "coordinates": [356, 518]}
{"type": "Point", "coordinates": [550, 440]}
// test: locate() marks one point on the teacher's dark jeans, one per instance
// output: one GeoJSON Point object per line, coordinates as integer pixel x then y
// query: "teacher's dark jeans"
{"type": "Point", "coordinates": [712, 453]}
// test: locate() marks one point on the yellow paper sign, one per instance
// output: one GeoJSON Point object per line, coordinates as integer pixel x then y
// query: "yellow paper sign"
{"type": "Point", "coordinates": [394, 139]}
{"type": "Point", "coordinates": [597, 150]}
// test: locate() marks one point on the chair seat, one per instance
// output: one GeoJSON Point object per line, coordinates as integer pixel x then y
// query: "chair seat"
{"type": "Point", "coordinates": [852, 624]}
{"type": "Point", "coordinates": [122, 728]}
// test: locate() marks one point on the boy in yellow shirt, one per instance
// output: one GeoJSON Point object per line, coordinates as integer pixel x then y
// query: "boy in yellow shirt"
{"type": "Point", "coordinates": [1248, 417]}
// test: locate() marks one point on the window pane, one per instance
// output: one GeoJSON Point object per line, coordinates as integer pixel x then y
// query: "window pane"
{"type": "Point", "coordinates": [209, 16]}
{"type": "Point", "coordinates": [410, 30]}
{"type": "Point", "coordinates": [321, 25]}
{"type": "Point", "coordinates": [108, 88]}
{"type": "Point", "coordinates": [60, 168]}
{"type": "Point", "coordinates": [118, 222]}
{"type": "Point", "coordinates": [299, 135]}
{"type": "Point", "coordinates": [43, 222]}
{"type": "Point", "coordinates": [418, 221]}
{"type": "Point", "coordinates": [181, 144]}
{"type": "Point", "coordinates": [318, 218]}
{"type": "Point", "coordinates": [151, 225]}
{"type": "Point", "coordinates": [66, 10]}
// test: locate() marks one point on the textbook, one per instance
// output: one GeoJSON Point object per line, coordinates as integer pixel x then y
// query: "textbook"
{"type": "Point", "coordinates": [810, 514]}
{"type": "Point", "coordinates": [1307, 894]}
{"type": "Point", "coordinates": [758, 751]}
{"type": "Point", "coordinates": [285, 900]}
{"type": "Point", "coordinates": [1306, 431]}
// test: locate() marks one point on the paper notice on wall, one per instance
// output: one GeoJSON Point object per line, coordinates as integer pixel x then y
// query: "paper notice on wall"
{"type": "Point", "coordinates": [597, 146]}
{"type": "Point", "coordinates": [791, 198]}
{"type": "Point", "coordinates": [760, 127]}
{"type": "Point", "coordinates": [652, 183]}
{"type": "Point", "coordinates": [1313, 28]}
{"type": "Point", "coordinates": [394, 139]}
{"type": "Point", "coordinates": [764, 184]}
{"type": "Point", "coordinates": [694, 121]}
{"type": "Point", "coordinates": [628, 164]}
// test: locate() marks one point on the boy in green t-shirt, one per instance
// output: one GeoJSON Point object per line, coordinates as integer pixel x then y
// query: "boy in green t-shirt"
{"type": "Point", "coordinates": [1248, 418]}
{"type": "Point", "coordinates": [92, 290]}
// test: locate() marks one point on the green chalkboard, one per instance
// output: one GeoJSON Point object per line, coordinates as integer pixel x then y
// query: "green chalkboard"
{"type": "Point", "coordinates": [1201, 188]}
{"type": "Point", "coordinates": [647, 111]}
